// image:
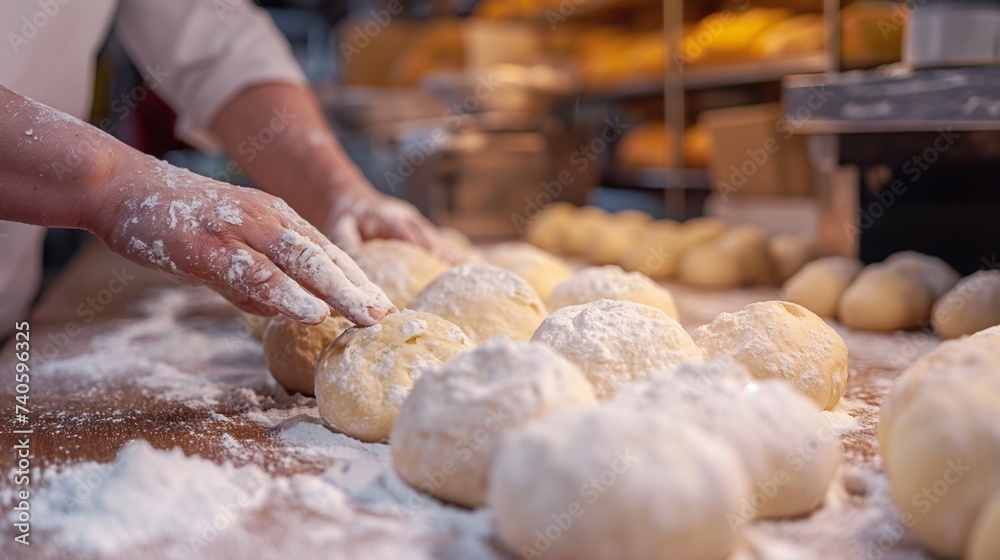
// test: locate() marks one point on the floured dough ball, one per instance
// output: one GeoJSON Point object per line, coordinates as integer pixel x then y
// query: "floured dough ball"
{"type": "Point", "coordinates": [451, 425]}
{"type": "Point", "coordinates": [882, 299]}
{"type": "Point", "coordinates": [255, 324]}
{"type": "Point", "coordinates": [781, 340]}
{"type": "Point", "coordinates": [935, 274]}
{"type": "Point", "coordinates": [611, 282]}
{"type": "Point", "coordinates": [549, 228]}
{"type": "Point", "coordinates": [458, 245]}
{"type": "Point", "coordinates": [939, 437]}
{"type": "Point", "coordinates": [587, 222]}
{"type": "Point", "coordinates": [401, 269]}
{"type": "Point", "coordinates": [600, 483]}
{"type": "Point", "coordinates": [992, 333]}
{"type": "Point", "coordinates": [292, 349]}
{"type": "Point", "coordinates": [365, 375]}
{"type": "Point", "coordinates": [820, 284]}
{"type": "Point", "coordinates": [616, 341]}
{"type": "Point", "coordinates": [789, 253]}
{"type": "Point", "coordinates": [542, 270]}
{"type": "Point", "coordinates": [485, 301]}
{"type": "Point", "coordinates": [655, 251]}
{"type": "Point", "coordinates": [737, 257]}
{"type": "Point", "coordinates": [615, 236]}
{"type": "Point", "coordinates": [954, 361]}
{"type": "Point", "coordinates": [790, 455]}
{"type": "Point", "coordinates": [984, 542]}
{"type": "Point", "coordinates": [971, 306]}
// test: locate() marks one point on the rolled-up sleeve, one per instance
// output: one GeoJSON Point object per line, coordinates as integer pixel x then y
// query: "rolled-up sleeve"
{"type": "Point", "coordinates": [198, 54]}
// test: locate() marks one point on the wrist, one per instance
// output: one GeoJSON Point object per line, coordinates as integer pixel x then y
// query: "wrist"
{"type": "Point", "coordinates": [106, 180]}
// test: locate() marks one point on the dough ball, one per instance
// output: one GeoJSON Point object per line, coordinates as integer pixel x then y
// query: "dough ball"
{"type": "Point", "coordinates": [737, 257]}
{"type": "Point", "coordinates": [255, 324]}
{"type": "Point", "coordinates": [971, 306]}
{"type": "Point", "coordinates": [820, 284]}
{"type": "Point", "coordinates": [700, 230]}
{"type": "Point", "coordinates": [954, 361]}
{"type": "Point", "coordinates": [485, 301]}
{"type": "Point", "coordinates": [777, 432]}
{"type": "Point", "coordinates": [542, 270]}
{"type": "Point", "coordinates": [457, 414]}
{"type": "Point", "coordinates": [292, 349]}
{"type": "Point", "coordinates": [458, 245]}
{"type": "Point", "coordinates": [984, 543]}
{"type": "Point", "coordinates": [586, 223]}
{"type": "Point", "coordinates": [616, 341]}
{"type": "Point", "coordinates": [656, 251]}
{"type": "Point", "coordinates": [940, 442]}
{"type": "Point", "coordinates": [992, 333]}
{"type": "Point", "coordinates": [590, 483]}
{"type": "Point", "coordinates": [882, 299]}
{"type": "Point", "coordinates": [615, 236]}
{"type": "Point", "coordinates": [548, 230]}
{"type": "Point", "coordinates": [401, 269]}
{"type": "Point", "coordinates": [935, 274]}
{"type": "Point", "coordinates": [611, 282]}
{"type": "Point", "coordinates": [366, 373]}
{"type": "Point", "coordinates": [781, 340]}
{"type": "Point", "coordinates": [789, 253]}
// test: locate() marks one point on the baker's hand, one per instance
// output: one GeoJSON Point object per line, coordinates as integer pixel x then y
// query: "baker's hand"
{"type": "Point", "coordinates": [248, 245]}
{"type": "Point", "coordinates": [363, 213]}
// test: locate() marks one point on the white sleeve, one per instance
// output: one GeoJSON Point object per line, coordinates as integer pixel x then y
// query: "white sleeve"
{"type": "Point", "coordinates": [198, 54]}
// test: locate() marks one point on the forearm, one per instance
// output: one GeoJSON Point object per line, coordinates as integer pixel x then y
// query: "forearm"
{"type": "Point", "coordinates": [278, 134]}
{"type": "Point", "coordinates": [52, 167]}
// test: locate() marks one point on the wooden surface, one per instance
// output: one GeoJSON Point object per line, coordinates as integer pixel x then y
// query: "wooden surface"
{"type": "Point", "coordinates": [79, 418]}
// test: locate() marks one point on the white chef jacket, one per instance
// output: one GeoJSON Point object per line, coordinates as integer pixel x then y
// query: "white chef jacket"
{"type": "Point", "coordinates": [196, 55]}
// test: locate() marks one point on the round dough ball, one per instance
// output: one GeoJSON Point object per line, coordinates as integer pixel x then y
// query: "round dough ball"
{"type": "Point", "coordinates": [255, 324]}
{"type": "Point", "coordinates": [789, 253]}
{"type": "Point", "coordinates": [992, 333]}
{"type": "Point", "coordinates": [485, 301]}
{"type": "Point", "coordinates": [615, 341]}
{"type": "Point", "coordinates": [736, 258]}
{"type": "Point", "coordinates": [820, 284]}
{"type": "Point", "coordinates": [596, 483]}
{"type": "Point", "coordinates": [365, 375]}
{"type": "Point", "coordinates": [943, 450]}
{"type": "Point", "coordinates": [458, 246]}
{"type": "Point", "coordinates": [952, 362]}
{"type": "Point", "coordinates": [292, 349]}
{"type": "Point", "coordinates": [614, 237]}
{"type": "Point", "coordinates": [881, 299]}
{"type": "Point", "coordinates": [700, 230]}
{"type": "Point", "coordinates": [457, 414]}
{"type": "Point", "coordinates": [655, 251]}
{"type": "Point", "coordinates": [401, 269]}
{"type": "Point", "coordinates": [777, 432]}
{"type": "Point", "coordinates": [777, 339]}
{"type": "Point", "coordinates": [935, 274]}
{"type": "Point", "coordinates": [542, 270]}
{"type": "Point", "coordinates": [971, 306]}
{"type": "Point", "coordinates": [984, 542]}
{"type": "Point", "coordinates": [611, 282]}
{"type": "Point", "coordinates": [548, 230]}
{"type": "Point", "coordinates": [584, 225]}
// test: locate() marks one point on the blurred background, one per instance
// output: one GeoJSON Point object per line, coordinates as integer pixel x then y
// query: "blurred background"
{"type": "Point", "coordinates": [801, 116]}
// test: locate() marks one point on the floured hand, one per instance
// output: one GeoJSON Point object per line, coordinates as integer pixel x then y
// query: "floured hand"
{"type": "Point", "coordinates": [248, 245]}
{"type": "Point", "coordinates": [364, 214]}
